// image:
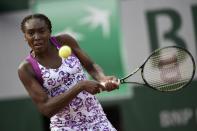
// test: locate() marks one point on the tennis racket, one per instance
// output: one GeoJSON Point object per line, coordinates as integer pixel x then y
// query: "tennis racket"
{"type": "Point", "coordinates": [166, 69]}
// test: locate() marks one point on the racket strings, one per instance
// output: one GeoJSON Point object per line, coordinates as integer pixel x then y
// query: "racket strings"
{"type": "Point", "coordinates": [168, 69]}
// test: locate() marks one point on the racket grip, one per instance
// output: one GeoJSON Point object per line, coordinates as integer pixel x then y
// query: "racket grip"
{"type": "Point", "coordinates": [103, 84]}
{"type": "Point", "coordinates": [119, 81]}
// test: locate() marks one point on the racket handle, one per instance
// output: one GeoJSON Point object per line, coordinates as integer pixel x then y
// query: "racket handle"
{"type": "Point", "coordinates": [119, 81]}
{"type": "Point", "coordinates": [103, 84]}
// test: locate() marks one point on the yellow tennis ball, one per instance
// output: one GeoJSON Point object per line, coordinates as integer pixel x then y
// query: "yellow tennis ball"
{"type": "Point", "coordinates": [65, 51]}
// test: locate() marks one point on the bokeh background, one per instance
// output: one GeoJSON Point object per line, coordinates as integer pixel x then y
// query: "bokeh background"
{"type": "Point", "coordinates": [118, 35]}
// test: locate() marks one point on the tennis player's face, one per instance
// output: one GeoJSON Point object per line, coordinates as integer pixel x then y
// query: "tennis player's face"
{"type": "Point", "coordinates": [37, 34]}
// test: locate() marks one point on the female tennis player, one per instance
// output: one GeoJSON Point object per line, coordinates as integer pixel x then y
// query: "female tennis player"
{"type": "Point", "coordinates": [58, 86]}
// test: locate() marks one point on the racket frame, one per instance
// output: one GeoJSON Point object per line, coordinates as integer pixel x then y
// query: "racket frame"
{"type": "Point", "coordinates": [122, 80]}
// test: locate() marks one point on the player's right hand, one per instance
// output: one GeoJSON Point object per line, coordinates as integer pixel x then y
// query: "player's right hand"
{"type": "Point", "coordinates": [93, 87]}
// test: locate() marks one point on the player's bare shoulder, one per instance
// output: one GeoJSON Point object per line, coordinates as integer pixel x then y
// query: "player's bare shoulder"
{"type": "Point", "coordinates": [66, 39]}
{"type": "Point", "coordinates": [25, 68]}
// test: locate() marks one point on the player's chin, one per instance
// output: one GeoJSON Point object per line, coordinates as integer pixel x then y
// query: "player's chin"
{"type": "Point", "coordinates": [38, 49]}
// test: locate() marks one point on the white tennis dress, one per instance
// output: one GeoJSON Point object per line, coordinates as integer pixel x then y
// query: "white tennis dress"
{"type": "Point", "coordinates": [84, 113]}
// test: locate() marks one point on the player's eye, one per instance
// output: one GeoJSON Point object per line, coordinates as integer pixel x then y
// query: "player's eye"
{"type": "Point", "coordinates": [30, 33]}
{"type": "Point", "coordinates": [42, 31]}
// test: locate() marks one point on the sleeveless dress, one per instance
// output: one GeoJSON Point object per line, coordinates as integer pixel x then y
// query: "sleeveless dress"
{"type": "Point", "coordinates": [84, 112]}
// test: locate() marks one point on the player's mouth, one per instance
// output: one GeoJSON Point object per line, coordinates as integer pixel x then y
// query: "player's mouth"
{"type": "Point", "coordinates": [38, 45]}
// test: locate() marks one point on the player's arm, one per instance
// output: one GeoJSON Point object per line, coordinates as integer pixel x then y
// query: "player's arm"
{"type": "Point", "coordinates": [92, 68]}
{"type": "Point", "coordinates": [48, 105]}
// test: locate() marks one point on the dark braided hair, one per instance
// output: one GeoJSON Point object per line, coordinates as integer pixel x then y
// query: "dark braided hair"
{"type": "Point", "coordinates": [39, 16]}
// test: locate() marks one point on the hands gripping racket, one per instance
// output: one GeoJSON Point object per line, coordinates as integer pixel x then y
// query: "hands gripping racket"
{"type": "Point", "coordinates": [167, 69]}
